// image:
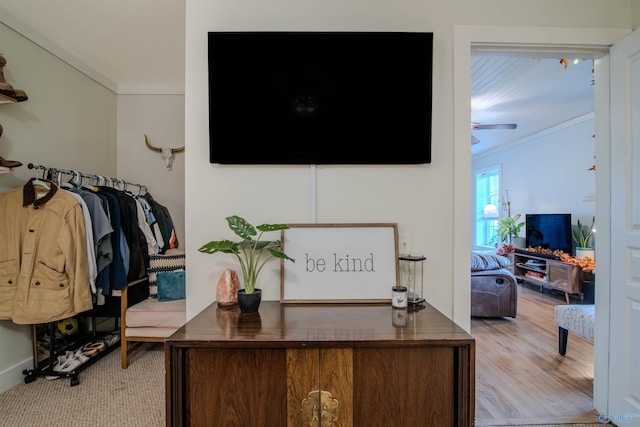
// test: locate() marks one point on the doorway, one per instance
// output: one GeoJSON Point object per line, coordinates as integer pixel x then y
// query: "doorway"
{"type": "Point", "coordinates": [532, 187]}
{"type": "Point", "coordinates": [464, 38]}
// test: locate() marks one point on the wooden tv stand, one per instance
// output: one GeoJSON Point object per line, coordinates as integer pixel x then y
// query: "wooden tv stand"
{"type": "Point", "coordinates": [318, 365]}
{"type": "Point", "coordinates": [547, 272]}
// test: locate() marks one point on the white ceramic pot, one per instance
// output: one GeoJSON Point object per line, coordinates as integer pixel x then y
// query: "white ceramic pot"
{"type": "Point", "coordinates": [518, 242]}
{"type": "Point", "coordinates": [585, 252]}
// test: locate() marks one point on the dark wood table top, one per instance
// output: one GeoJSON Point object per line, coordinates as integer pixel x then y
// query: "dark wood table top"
{"type": "Point", "coordinates": [319, 325]}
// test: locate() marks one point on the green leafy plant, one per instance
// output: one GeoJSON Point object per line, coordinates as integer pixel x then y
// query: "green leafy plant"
{"type": "Point", "coordinates": [509, 227]}
{"type": "Point", "coordinates": [252, 253]}
{"type": "Point", "coordinates": [582, 236]}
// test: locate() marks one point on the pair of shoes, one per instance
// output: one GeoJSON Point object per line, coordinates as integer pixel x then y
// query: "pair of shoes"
{"type": "Point", "coordinates": [92, 349]}
{"type": "Point", "coordinates": [70, 361]}
{"type": "Point", "coordinates": [9, 163]}
{"type": "Point", "coordinates": [66, 363]}
{"type": "Point", "coordinates": [46, 338]}
{"type": "Point", "coordinates": [111, 338]}
{"type": "Point", "coordinates": [20, 95]}
{"type": "Point", "coordinates": [5, 88]}
{"type": "Point", "coordinates": [17, 95]}
{"type": "Point", "coordinates": [78, 354]}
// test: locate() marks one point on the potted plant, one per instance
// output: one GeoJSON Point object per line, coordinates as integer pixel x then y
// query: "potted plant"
{"type": "Point", "coordinates": [509, 228]}
{"type": "Point", "coordinates": [252, 254]}
{"type": "Point", "coordinates": [582, 237]}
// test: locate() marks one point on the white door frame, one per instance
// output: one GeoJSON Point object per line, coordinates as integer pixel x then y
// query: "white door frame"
{"type": "Point", "coordinates": [527, 37]}
{"type": "Point", "coordinates": [624, 260]}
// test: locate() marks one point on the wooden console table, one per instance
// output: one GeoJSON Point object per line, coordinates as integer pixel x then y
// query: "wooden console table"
{"type": "Point", "coordinates": [338, 365]}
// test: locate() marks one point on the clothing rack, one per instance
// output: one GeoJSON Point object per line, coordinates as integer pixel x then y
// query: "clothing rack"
{"type": "Point", "coordinates": [78, 177]}
{"type": "Point", "coordinates": [55, 175]}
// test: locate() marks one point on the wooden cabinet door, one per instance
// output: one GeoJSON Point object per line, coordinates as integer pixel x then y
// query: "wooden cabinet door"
{"type": "Point", "coordinates": [407, 386]}
{"type": "Point", "coordinates": [320, 387]}
{"type": "Point", "coordinates": [412, 386]}
{"type": "Point", "coordinates": [234, 387]}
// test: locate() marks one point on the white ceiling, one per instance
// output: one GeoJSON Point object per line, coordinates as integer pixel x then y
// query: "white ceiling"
{"type": "Point", "coordinates": [137, 47]}
{"type": "Point", "coordinates": [129, 46]}
{"type": "Point", "coordinates": [537, 94]}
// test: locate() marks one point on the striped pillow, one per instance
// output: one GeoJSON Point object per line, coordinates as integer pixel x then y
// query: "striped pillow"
{"type": "Point", "coordinates": [171, 261]}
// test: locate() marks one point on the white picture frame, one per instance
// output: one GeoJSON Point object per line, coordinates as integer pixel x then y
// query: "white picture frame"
{"type": "Point", "coordinates": [339, 263]}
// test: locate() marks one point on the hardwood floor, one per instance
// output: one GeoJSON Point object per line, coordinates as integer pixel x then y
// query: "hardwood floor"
{"type": "Point", "coordinates": [521, 378]}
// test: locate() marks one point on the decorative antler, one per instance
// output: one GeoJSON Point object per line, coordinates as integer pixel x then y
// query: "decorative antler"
{"type": "Point", "coordinates": [168, 154]}
{"type": "Point", "coordinates": [151, 147]}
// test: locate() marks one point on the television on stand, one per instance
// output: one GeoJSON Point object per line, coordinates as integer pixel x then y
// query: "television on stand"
{"type": "Point", "coordinates": [549, 231]}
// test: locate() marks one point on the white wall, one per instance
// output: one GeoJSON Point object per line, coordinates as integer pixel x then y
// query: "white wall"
{"type": "Point", "coordinates": [72, 122]}
{"type": "Point", "coordinates": [549, 173]}
{"type": "Point", "coordinates": [161, 118]}
{"type": "Point", "coordinates": [69, 122]}
{"type": "Point", "coordinates": [421, 199]}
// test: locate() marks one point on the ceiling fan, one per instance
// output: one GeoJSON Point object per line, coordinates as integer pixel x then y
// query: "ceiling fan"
{"type": "Point", "coordinates": [478, 126]}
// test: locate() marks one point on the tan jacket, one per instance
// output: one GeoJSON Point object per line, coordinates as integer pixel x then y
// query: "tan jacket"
{"type": "Point", "coordinates": [44, 270]}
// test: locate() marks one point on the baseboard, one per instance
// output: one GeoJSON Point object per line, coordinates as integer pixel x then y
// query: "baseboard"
{"type": "Point", "coordinates": [13, 375]}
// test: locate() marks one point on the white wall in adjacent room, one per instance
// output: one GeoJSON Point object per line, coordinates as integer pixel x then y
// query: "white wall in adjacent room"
{"type": "Point", "coordinates": [550, 173]}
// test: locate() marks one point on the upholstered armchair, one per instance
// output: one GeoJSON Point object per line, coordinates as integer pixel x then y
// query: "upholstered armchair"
{"type": "Point", "coordinates": [494, 289]}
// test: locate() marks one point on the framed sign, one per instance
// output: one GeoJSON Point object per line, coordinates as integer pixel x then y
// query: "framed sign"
{"type": "Point", "coordinates": [339, 263]}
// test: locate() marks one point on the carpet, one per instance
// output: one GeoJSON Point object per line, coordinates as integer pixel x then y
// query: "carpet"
{"type": "Point", "coordinates": [106, 396]}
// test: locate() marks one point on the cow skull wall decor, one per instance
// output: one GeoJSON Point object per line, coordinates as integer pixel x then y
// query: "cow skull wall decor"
{"type": "Point", "coordinates": [167, 153]}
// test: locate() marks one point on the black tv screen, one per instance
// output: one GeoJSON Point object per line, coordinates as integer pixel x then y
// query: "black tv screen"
{"type": "Point", "coordinates": [549, 231]}
{"type": "Point", "coordinates": [320, 97]}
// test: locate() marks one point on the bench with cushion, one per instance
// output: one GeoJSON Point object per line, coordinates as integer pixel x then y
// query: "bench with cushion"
{"type": "Point", "coordinates": [580, 319]}
{"type": "Point", "coordinates": [161, 310]}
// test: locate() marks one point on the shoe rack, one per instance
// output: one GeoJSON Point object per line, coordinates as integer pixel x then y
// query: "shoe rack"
{"type": "Point", "coordinates": [64, 355]}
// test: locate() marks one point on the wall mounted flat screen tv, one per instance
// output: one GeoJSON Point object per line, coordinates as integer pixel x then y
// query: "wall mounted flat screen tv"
{"type": "Point", "coordinates": [549, 231]}
{"type": "Point", "coordinates": [320, 97]}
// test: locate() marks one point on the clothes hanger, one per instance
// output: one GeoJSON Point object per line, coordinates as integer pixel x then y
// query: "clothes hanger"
{"type": "Point", "coordinates": [39, 182]}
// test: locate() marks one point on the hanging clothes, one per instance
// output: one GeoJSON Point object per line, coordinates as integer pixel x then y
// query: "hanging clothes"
{"type": "Point", "coordinates": [151, 220]}
{"type": "Point", "coordinates": [138, 255]}
{"type": "Point", "coordinates": [114, 274]}
{"type": "Point", "coordinates": [101, 225]}
{"type": "Point", "coordinates": [91, 251]}
{"type": "Point", "coordinates": [145, 227]}
{"type": "Point", "coordinates": [44, 271]}
{"type": "Point", "coordinates": [165, 223]}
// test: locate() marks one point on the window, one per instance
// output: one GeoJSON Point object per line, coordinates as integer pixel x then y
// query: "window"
{"type": "Point", "coordinates": [487, 184]}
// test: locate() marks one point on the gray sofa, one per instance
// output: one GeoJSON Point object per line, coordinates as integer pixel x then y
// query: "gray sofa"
{"type": "Point", "coordinates": [494, 289]}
